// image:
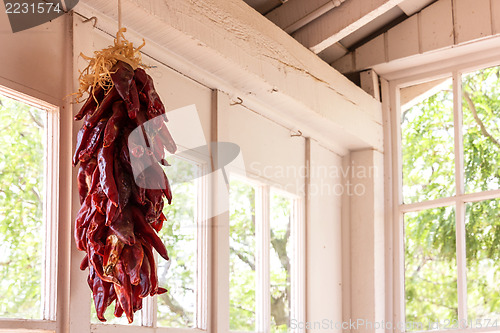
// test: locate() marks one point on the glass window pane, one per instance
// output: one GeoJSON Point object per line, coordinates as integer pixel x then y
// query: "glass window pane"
{"type": "Point", "coordinates": [177, 307]}
{"type": "Point", "coordinates": [242, 256]}
{"type": "Point", "coordinates": [481, 121]}
{"type": "Point", "coordinates": [483, 261]}
{"type": "Point", "coordinates": [280, 261]}
{"type": "Point", "coordinates": [427, 141]}
{"type": "Point", "coordinates": [22, 156]}
{"type": "Point", "coordinates": [430, 268]}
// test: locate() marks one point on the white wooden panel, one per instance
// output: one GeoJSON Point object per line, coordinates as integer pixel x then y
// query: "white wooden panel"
{"type": "Point", "coordinates": [37, 50]}
{"type": "Point", "coordinates": [472, 19]}
{"type": "Point", "coordinates": [495, 16]}
{"type": "Point", "coordinates": [324, 238]}
{"type": "Point", "coordinates": [402, 40]}
{"type": "Point", "coordinates": [370, 83]}
{"type": "Point", "coordinates": [371, 53]}
{"type": "Point", "coordinates": [269, 152]}
{"type": "Point", "coordinates": [436, 26]}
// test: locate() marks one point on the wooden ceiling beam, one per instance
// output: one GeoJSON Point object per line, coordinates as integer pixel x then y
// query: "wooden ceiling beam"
{"type": "Point", "coordinates": [340, 22]}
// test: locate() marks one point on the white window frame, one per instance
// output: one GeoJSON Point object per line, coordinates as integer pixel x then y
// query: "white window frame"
{"type": "Point", "coordinates": [262, 253]}
{"type": "Point", "coordinates": [454, 70]}
{"type": "Point", "coordinates": [49, 285]}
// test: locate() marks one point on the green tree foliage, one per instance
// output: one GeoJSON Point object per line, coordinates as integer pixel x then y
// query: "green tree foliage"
{"type": "Point", "coordinates": [428, 173]}
{"type": "Point", "coordinates": [21, 208]}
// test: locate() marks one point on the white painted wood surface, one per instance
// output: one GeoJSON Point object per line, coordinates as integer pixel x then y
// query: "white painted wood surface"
{"type": "Point", "coordinates": [436, 26]}
{"type": "Point", "coordinates": [411, 7]}
{"type": "Point", "coordinates": [366, 55]}
{"type": "Point", "coordinates": [472, 19]}
{"type": "Point", "coordinates": [367, 251]}
{"type": "Point", "coordinates": [294, 14]}
{"type": "Point", "coordinates": [442, 29]}
{"type": "Point", "coordinates": [338, 23]}
{"type": "Point", "coordinates": [402, 40]}
{"type": "Point", "coordinates": [495, 16]}
{"type": "Point", "coordinates": [370, 83]}
{"type": "Point", "coordinates": [324, 238]}
{"type": "Point", "coordinates": [228, 47]}
{"type": "Point", "coordinates": [270, 153]}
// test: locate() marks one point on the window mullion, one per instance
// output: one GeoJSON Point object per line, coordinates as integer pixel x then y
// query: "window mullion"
{"type": "Point", "coordinates": [460, 205]}
{"type": "Point", "coordinates": [398, 222]}
{"type": "Point", "coordinates": [51, 189]}
{"type": "Point", "coordinates": [263, 241]}
{"type": "Point", "coordinates": [202, 249]}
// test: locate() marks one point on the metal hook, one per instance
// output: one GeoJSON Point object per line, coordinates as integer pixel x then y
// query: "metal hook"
{"type": "Point", "coordinates": [240, 101]}
{"type": "Point", "coordinates": [299, 133]}
{"type": "Point", "coordinates": [93, 18]}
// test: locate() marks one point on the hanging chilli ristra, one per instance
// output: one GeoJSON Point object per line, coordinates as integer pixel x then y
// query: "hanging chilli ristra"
{"type": "Point", "coordinates": [122, 208]}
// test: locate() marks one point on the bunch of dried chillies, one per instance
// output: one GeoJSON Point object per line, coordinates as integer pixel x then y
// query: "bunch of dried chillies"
{"type": "Point", "coordinates": [119, 218]}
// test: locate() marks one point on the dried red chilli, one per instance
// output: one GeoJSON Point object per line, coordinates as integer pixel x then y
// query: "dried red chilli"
{"type": "Point", "coordinates": [119, 218]}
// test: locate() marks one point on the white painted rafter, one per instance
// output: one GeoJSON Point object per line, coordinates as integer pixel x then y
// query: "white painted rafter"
{"type": "Point", "coordinates": [294, 14]}
{"type": "Point", "coordinates": [337, 24]}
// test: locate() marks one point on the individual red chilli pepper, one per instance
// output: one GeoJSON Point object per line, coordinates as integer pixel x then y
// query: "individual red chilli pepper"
{"type": "Point", "coordinates": [155, 106]}
{"type": "Point", "coordinates": [84, 263]}
{"type": "Point", "coordinates": [154, 208]}
{"type": "Point", "coordinates": [85, 177]}
{"type": "Point", "coordinates": [132, 257]}
{"type": "Point", "coordinates": [97, 262]}
{"type": "Point", "coordinates": [158, 149]}
{"type": "Point", "coordinates": [166, 138]}
{"type": "Point", "coordinates": [93, 141]}
{"type": "Point", "coordinates": [123, 183]}
{"type": "Point", "coordinates": [113, 126]}
{"type": "Point", "coordinates": [123, 227]}
{"type": "Point", "coordinates": [99, 201]}
{"type": "Point", "coordinates": [103, 108]}
{"type": "Point", "coordinates": [83, 188]}
{"type": "Point", "coordinates": [158, 223]}
{"type": "Point", "coordinates": [118, 310]}
{"type": "Point", "coordinates": [107, 181]}
{"type": "Point", "coordinates": [81, 142]}
{"type": "Point", "coordinates": [122, 76]}
{"type": "Point", "coordinates": [156, 179]}
{"type": "Point", "coordinates": [145, 282]}
{"type": "Point", "coordinates": [101, 297]}
{"type": "Point", "coordinates": [137, 300]}
{"type": "Point", "coordinates": [96, 231]}
{"type": "Point", "coordinates": [153, 277]}
{"type": "Point", "coordinates": [124, 292]}
{"type": "Point", "coordinates": [133, 105]}
{"type": "Point", "coordinates": [148, 233]}
{"type": "Point", "coordinates": [90, 105]}
{"type": "Point", "coordinates": [112, 253]}
{"type": "Point", "coordinates": [111, 212]}
{"type": "Point", "coordinates": [90, 278]}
